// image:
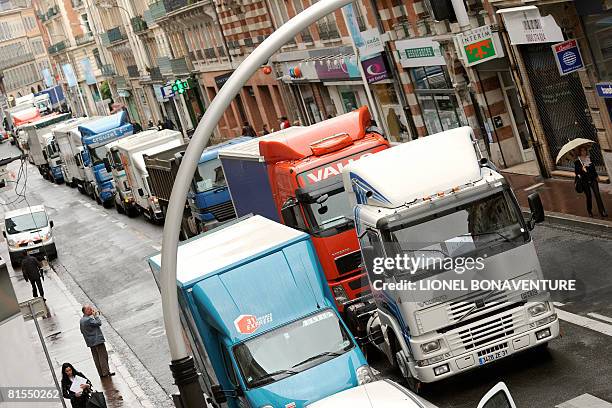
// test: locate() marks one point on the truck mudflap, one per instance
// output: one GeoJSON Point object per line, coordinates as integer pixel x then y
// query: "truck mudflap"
{"type": "Point", "coordinates": [358, 314]}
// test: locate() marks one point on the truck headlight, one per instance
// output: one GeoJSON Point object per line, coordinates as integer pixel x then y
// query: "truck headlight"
{"type": "Point", "coordinates": [340, 294]}
{"type": "Point", "coordinates": [430, 346]}
{"type": "Point", "coordinates": [537, 309]}
{"type": "Point", "coordinates": [364, 375]}
{"type": "Point", "coordinates": [46, 237]}
{"type": "Point", "coordinates": [11, 242]}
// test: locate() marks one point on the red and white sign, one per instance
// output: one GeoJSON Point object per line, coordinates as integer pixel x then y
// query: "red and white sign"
{"type": "Point", "coordinates": [246, 324]}
{"type": "Point", "coordinates": [323, 173]}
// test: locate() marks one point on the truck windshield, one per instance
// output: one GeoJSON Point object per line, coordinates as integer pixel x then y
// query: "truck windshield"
{"type": "Point", "coordinates": [208, 176]}
{"type": "Point", "coordinates": [292, 348]}
{"type": "Point", "coordinates": [334, 212]}
{"type": "Point", "coordinates": [97, 154]}
{"type": "Point", "coordinates": [487, 226]}
{"type": "Point", "coordinates": [25, 222]}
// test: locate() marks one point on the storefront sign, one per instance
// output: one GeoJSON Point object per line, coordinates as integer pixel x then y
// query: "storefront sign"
{"type": "Point", "coordinates": [336, 68]}
{"type": "Point", "coordinates": [604, 89]}
{"type": "Point", "coordinates": [568, 57]}
{"type": "Point", "coordinates": [478, 45]}
{"type": "Point", "coordinates": [420, 52]}
{"type": "Point", "coordinates": [375, 69]}
{"type": "Point", "coordinates": [222, 79]}
{"type": "Point", "coordinates": [372, 43]}
{"type": "Point", "coordinates": [525, 25]}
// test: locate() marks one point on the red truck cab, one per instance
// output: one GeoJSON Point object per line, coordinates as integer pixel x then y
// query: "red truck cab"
{"type": "Point", "coordinates": [305, 177]}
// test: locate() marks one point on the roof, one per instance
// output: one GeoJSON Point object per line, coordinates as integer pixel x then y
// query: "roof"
{"type": "Point", "coordinates": [297, 142]}
{"type": "Point", "coordinates": [101, 124]}
{"type": "Point", "coordinates": [220, 249]}
{"type": "Point", "coordinates": [138, 155]}
{"type": "Point", "coordinates": [378, 394]}
{"type": "Point", "coordinates": [69, 124]}
{"type": "Point", "coordinates": [47, 120]}
{"type": "Point", "coordinates": [212, 152]}
{"type": "Point", "coordinates": [24, 210]}
{"type": "Point", "coordinates": [413, 170]}
{"type": "Point", "coordinates": [27, 115]}
{"type": "Point", "coordinates": [143, 140]}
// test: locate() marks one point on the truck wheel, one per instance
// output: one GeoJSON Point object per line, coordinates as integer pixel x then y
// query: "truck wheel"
{"type": "Point", "coordinates": [97, 199]}
{"type": "Point", "coordinates": [14, 263]}
{"type": "Point", "coordinates": [119, 208]}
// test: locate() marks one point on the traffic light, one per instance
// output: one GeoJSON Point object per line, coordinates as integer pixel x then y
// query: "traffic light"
{"type": "Point", "coordinates": [180, 86]}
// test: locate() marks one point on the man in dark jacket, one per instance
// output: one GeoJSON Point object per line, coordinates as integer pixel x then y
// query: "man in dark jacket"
{"type": "Point", "coordinates": [90, 328]}
{"type": "Point", "coordinates": [32, 272]}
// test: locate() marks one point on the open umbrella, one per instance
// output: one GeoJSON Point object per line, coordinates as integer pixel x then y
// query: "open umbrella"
{"type": "Point", "coordinates": [570, 146]}
{"type": "Point", "coordinates": [96, 400]}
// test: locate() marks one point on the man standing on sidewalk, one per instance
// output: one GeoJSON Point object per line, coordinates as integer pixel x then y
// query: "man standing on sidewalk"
{"type": "Point", "coordinates": [90, 328]}
{"type": "Point", "coordinates": [32, 272]}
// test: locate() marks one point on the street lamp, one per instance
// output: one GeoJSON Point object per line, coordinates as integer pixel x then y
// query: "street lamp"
{"type": "Point", "coordinates": [182, 364]}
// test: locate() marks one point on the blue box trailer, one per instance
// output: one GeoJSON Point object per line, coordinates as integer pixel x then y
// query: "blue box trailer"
{"type": "Point", "coordinates": [260, 318]}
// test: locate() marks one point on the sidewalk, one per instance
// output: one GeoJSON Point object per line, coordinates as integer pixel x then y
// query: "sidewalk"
{"type": "Point", "coordinates": [559, 196]}
{"type": "Point", "coordinates": [65, 343]}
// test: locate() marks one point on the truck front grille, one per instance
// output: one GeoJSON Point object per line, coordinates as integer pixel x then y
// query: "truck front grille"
{"type": "Point", "coordinates": [348, 263]}
{"type": "Point", "coordinates": [480, 333]}
{"type": "Point", "coordinates": [222, 212]}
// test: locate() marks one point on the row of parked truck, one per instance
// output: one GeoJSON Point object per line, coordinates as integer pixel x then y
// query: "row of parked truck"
{"type": "Point", "coordinates": [279, 306]}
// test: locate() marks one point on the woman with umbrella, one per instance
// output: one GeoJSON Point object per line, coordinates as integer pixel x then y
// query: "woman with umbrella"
{"type": "Point", "coordinates": [69, 375]}
{"type": "Point", "coordinates": [586, 175]}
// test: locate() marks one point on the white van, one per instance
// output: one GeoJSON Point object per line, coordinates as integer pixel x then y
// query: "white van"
{"type": "Point", "coordinates": [29, 229]}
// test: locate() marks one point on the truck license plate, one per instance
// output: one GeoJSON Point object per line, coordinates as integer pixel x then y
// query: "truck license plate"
{"type": "Point", "coordinates": [491, 357]}
{"type": "Point", "coordinates": [34, 251]}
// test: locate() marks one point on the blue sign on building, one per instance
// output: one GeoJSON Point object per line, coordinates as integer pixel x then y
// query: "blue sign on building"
{"type": "Point", "coordinates": [568, 57]}
{"type": "Point", "coordinates": [604, 89]}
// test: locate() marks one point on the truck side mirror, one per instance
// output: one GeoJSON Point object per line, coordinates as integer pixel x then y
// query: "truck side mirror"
{"type": "Point", "coordinates": [4, 234]}
{"type": "Point", "coordinates": [537, 209]}
{"type": "Point", "coordinates": [497, 397]}
{"type": "Point", "coordinates": [322, 209]}
{"type": "Point", "coordinates": [218, 394]}
{"type": "Point", "coordinates": [140, 192]}
{"type": "Point", "coordinates": [107, 165]}
{"type": "Point", "coordinates": [51, 224]}
{"type": "Point", "coordinates": [288, 213]}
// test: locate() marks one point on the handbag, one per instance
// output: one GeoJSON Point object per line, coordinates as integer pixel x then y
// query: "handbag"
{"type": "Point", "coordinates": [578, 186]}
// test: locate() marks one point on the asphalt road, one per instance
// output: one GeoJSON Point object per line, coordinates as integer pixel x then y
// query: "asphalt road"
{"type": "Point", "coordinates": [102, 255]}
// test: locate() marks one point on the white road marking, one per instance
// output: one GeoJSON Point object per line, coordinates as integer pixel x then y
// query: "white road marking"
{"type": "Point", "coordinates": [585, 401]}
{"type": "Point", "coordinates": [121, 225]}
{"type": "Point", "coordinates": [558, 304]}
{"type": "Point", "coordinates": [600, 317]}
{"type": "Point", "coordinates": [601, 327]}
{"type": "Point", "coordinates": [533, 187]}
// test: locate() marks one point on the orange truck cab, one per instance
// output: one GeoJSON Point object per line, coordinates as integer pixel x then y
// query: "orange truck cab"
{"type": "Point", "coordinates": [294, 177]}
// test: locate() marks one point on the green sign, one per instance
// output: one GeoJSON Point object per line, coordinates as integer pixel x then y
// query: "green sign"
{"type": "Point", "coordinates": [478, 45]}
{"type": "Point", "coordinates": [420, 52]}
{"type": "Point", "coordinates": [180, 86]}
{"type": "Point", "coordinates": [479, 51]}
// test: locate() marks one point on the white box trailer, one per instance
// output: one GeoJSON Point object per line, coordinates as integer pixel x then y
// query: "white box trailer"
{"type": "Point", "coordinates": [33, 137]}
{"type": "Point", "coordinates": [130, 174]}
{"type": "Point", "coordinates": [69, 143]}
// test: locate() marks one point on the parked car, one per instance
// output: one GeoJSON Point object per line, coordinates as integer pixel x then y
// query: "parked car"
{"type": "Point", "coordinates": [388, 394]}
{"type": "Point", "coordinates": [29, 230]}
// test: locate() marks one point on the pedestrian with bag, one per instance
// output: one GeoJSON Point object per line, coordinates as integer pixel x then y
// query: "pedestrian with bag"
{"type": "Point", "coordinates": [586, 181]}
{"type": "Point", "coordinates": [90, 328]}
{"type": "Point", "coordinates": [32, 272]}
{"type": "Point", "coordinates": [78, 399]}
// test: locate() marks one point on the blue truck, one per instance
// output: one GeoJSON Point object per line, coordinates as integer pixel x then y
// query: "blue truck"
{"type": "Point", "coordinates": [260, 318]}
{"type": "Point", "coordinates": [208, 201]}
{"type": "Point", "coordinates": [95, 134]}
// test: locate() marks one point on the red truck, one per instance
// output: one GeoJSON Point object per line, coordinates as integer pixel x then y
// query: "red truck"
{"type": "Point", "coordinates": [294, 177]}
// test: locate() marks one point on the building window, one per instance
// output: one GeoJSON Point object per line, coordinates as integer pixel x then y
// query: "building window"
{"type": "Point", "coordinates": [328, 29]}
{"type": "Point", "coordinates": [85, 23]}
{"type": "Point", "coordinates": [359, 16]}
{"type": "Point", "coordinates": [439, 105]}
{"type": "Point", "coordinates": [598, 28]}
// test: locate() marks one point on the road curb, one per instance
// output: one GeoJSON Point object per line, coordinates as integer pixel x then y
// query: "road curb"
{"type": "Point", "coordinates": [574, 221]}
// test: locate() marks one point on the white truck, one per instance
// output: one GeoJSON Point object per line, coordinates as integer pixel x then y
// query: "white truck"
{"type": "Point", "coordinates": [125, 160]}
{"type": "Point", "coordinates": [33, 138]}
{"type": "Point", "coordinates": [68, 140]}
{"type": "Point", "coordinates": [435, 203]}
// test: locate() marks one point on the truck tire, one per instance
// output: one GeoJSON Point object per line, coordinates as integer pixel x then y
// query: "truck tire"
{"type": "Point", "coordinates": [119, 208]}
{"type": "Point", "coordinates": [108, 203]}
{"type": "Point", "coordinates": [97, 199]}
{"type": "Point", "coordinates": [14, 262]}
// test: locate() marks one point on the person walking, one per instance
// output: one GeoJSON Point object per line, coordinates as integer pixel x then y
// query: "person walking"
{"type": "Point", "coordinates": [586, 175]}
{"type": "Point", "coordinates": [90, 328]}
{"type": "Point", "coordinates": [168, 124]}
{"type": "Point", "coordinates": [32, 272]}
{"type": "Point", "coordinates": [265, 130]}
{"type": "Point", "coordinates": [284, 122]}
{"type": "Point", "coordinates": [77, 399]}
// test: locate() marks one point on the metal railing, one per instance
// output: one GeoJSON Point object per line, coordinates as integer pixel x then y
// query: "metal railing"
{"type": "Point", "coordinates": [108, 70]}
{"type": "Point", "coordinates": [113, 35]}
{"type": "Point", "coordinates": [84, 38]}
{"type": "Point", "coordinates": [133, 71]}
{"type": "Point", "coordinates": [57, 47]}
{"type": "Point", "coordinates": [158, 10]}
{"type": "Point", "coordinates": [138, 24]}
{"type": "Point", "coordinates": [155, 74]}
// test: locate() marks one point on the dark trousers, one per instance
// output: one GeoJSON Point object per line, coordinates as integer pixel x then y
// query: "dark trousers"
{"type": "Point", "coordinates": [100, 357]}
{"type": "Point", "coordinates": [37, 284]}
{"type": "Point", "coordinates": [591, 189]}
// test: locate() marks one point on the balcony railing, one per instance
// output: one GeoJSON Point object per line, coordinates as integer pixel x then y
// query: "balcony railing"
{"type": "Point", "coordinates": [121, 82]}
{"type": "Point", "coordinates": [108, 70]}
{"type": "Point", "coordinates": [327, 31]}
{"type": "Point", "coordinates": [133, 71]}
{"type": "Point", "coordinates": [18, 60]}
{"type": "Point", "coordinates": [175, 66]}
{"type": "Point", "coordinates": [113, 35]}
{"type": "Point", "coordinates": [138, 24]}
{"type": "Point", "coordinates": [52, 12]}
{"type": "Point", "coordinates": [57, 47]}
{"type": "Point", "coordinates": [77, 3]}
{"type": "Point", "coordinates": [155, 74]}
{"type": "Point", "coordinates": [84, 38]}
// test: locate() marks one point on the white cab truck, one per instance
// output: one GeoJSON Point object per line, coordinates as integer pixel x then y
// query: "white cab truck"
{"type": "Point", "coordinates": [438, 200]}
{"type": "Point", "coordinates": [29, 230]}
{"type": "Point", "coordinates": [68, 140]}
{"type": "Point", "coordinates": [125, 159]}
